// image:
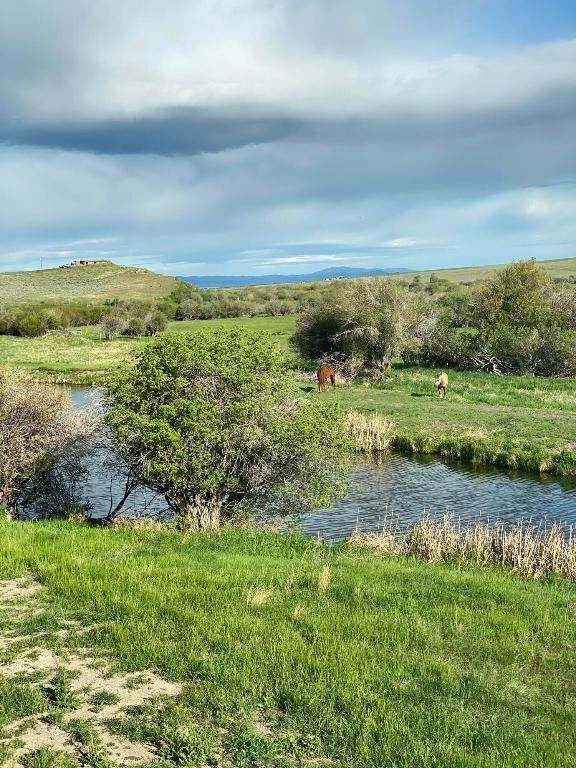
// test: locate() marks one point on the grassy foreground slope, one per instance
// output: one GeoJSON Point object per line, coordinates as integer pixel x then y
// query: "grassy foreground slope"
{"type": "Point", "coordinates": [90, 283]}
{"type": "Point", "coordinates": [296, 654]}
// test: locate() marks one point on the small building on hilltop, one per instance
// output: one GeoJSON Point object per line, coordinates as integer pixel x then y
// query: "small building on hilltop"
{"type": "Point", "coordinates": [85, 263]}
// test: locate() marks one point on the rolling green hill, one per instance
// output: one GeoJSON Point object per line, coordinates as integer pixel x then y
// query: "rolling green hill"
{"type": "Point", "coordinates": [556, 267]}
{"type": "Point", "coordinates": [88, 283]}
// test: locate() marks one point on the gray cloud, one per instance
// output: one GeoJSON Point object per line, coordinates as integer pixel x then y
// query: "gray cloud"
{"type": "Point", "coordinates": [193, 132]}
{"type": "Point", "coordinates": [178, 131]}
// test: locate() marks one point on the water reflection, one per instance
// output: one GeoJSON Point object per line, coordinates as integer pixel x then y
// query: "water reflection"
{"type": "Point", "coordinates": [402, 488]}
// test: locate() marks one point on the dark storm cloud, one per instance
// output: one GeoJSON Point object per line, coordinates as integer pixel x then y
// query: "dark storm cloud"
{"type": "Point", "coordinates": [180, 131]}
{"type": "Point", "coordinates": [192, 131]}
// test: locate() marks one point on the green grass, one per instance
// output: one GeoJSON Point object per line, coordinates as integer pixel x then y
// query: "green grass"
{"type": "Point", "coordinates": [85, 357]}
{"type": "Point", "coordinates": [395, 663]}
{"type": "Point", "coordinates": [91, 283]}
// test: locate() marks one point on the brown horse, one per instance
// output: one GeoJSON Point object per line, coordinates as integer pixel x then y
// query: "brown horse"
{"type": "Point", "coordinates": [326, 373]}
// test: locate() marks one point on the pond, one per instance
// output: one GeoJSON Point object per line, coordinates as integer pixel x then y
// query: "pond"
{"type": "Point", "coordinates": [401, 488]}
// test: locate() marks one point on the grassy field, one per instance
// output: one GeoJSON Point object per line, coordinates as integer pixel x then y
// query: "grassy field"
{"type": "Point", "coordinates": [85, 357]}
{"type": "Point", "coordinates": [276, 652]}
{"type": "Point", "coordinates": [90, 283]}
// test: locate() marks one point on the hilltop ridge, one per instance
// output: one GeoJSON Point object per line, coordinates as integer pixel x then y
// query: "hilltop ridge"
{"type": "Point", "coordinates": [92, 283]}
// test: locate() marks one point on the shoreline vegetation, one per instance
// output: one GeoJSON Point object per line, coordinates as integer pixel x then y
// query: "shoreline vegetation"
{"type": "Point", "coordinates": [277, 651]}
{"type": "Point", "coordinates": [532, 550]}
{"type": "Point", "coordinates": [513, 422]}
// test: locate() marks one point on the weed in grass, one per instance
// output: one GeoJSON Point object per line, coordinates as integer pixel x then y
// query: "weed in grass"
{"type": "Point", "coordinates": [19, 700]}
{"type": "Point", "coordinates": [82, 732]}
{"type": "Point", "coordinates": [324, 579]}
{"type": "Point", "coordinates": [46, 757]}
{"type": "Point", "coordinates": [135, 682]}
{"type": "Point", "coordinates": [135, 726]}
{"type": "Point", "coordinates": [6, 749]}
{"type": "Point", "coordinates": [60, 692]}
{"type": "Point", "coordinates": [96, 757]}
{"type": "Point", "coordinates": [186, 744]}
{"type": "Point", "coordinates": [29, 677]}
{"type": "Point", "coordinates": [247, 748]}
{"type": "Point", "coordinates": [103, 699]}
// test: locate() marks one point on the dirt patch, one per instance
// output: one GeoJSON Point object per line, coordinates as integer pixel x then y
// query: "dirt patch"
{"type": "Point", "coordinates": [120, 750]}
{"type": "Point", "coordinates": [15, 590]}
{"type": "Point", "coordinates": [131, 690]}
{"type": "Point", "coordinates": [98, 693]}
{"type": "Point", "coordinates": [40, 735]}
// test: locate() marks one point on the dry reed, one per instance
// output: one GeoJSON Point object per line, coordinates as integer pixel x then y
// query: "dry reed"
{"type": "Point", "coordinates": [372, 433]}
{"type": "Point", "coordinates": [528, 549]}
{"type": "Point", "coordinates": [141, 523]}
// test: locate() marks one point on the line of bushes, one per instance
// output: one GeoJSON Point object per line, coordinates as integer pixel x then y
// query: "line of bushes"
{"type": "Point", "coordinates": [518, 321]}
{"type": "Point", "coordinates": [36, 320]}
{"type": "Point", "coordinates": [138, 318]}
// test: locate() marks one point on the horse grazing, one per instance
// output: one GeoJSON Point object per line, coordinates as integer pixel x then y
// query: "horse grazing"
{"type": "Point", "coordinates": [441, 383]}
{"type": "Point", "coordinates": [326, 373]}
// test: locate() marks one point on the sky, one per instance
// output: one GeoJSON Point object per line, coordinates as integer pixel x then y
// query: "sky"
{"type": "Point", "coordinates": [217, 137]}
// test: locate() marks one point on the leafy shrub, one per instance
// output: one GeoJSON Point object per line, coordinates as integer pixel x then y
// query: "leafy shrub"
{"type": "Point", "coordinates": [372, 320]}
{"type": "Point", "coordinates": [211, 422]}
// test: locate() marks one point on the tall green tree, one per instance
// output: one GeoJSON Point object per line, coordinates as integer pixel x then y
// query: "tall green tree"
{"type": "Point", "coordinates": [518, 297]}
{"type": "Point", "coordinates": [212, 422]}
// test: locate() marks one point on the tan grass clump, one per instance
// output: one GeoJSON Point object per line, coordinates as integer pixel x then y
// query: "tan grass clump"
{"type": "Point", "coordinates": [477, 434]}
{"type": "Point", "coordinates": [384, 542]}
{"type": "Point", "coordinates": [372, 433]}
{"type": "Point", "coordinates": [140, 523]}
{"type": "Point", "coordinates": [324, 579]}
{"type": "Point", "coordinates": [531, 550]}
{"type": "Point", "coordinates": [257, 596]}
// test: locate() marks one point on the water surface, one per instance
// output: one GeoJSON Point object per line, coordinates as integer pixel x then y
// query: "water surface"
{"type": "Point", "coordinates": [398, 487]}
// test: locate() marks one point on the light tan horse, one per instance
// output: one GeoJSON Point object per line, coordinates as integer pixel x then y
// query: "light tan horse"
{"type": "Point", "coordinates": [441, 383]}
{"type": "Point", "coordinates": [324, 374]}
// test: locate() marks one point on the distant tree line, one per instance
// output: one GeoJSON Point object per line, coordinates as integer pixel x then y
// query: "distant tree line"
{"type": "Point", "coordinates": [146, 318]}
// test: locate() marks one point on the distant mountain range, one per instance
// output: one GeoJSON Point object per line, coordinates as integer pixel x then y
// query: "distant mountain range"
{"type": "Point", "coordinates": [232, 281]}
